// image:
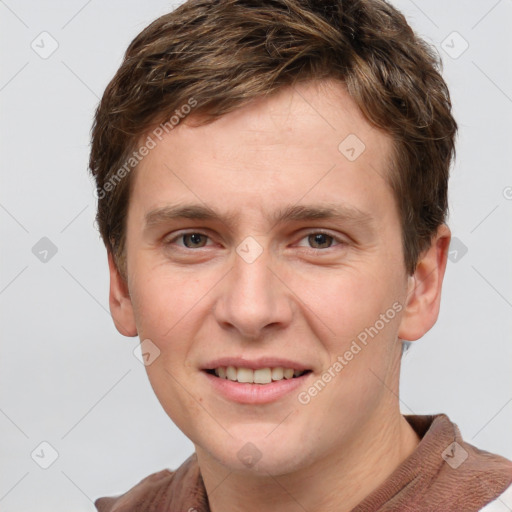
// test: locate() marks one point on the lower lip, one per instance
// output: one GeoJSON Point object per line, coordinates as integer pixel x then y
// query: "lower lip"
{"type": "Point", "coordinates": [247, 393]}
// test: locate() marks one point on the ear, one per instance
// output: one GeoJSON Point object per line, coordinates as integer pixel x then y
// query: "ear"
{"type": "Point", "coordinates": [120, 302]}
{"type": "Point", "coordinates": [424, 289]}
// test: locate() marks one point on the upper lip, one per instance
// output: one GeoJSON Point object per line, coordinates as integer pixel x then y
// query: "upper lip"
{"type": "Point", "coordinates": [255, 364]}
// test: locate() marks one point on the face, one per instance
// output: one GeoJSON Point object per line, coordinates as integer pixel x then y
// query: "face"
{"type": "Point", "coordinates": [268, 242]}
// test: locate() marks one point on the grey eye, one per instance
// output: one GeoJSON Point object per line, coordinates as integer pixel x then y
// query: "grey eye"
{"type": "Point", "coordinates": [195, 240]}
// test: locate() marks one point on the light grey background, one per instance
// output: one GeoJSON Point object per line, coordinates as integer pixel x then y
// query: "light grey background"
{"type": "Point", "coordinates": [69, 379]}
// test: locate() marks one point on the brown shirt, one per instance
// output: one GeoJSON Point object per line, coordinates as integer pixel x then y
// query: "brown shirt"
{"type": "Point", "coordinates": [444, 474]}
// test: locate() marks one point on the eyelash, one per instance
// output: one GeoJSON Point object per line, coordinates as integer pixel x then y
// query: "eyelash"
{"type": "Point", "coordinates": [340, 242]}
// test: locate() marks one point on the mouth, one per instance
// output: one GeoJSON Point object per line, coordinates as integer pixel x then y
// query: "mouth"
{"type": "Point", "coordinates": [262, 376]}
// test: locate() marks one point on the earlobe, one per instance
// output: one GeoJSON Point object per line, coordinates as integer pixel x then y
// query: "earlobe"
{"type": "Point", "coordinates": [424, 288]}
{"type": "Point", "coordinates": [120, 302]}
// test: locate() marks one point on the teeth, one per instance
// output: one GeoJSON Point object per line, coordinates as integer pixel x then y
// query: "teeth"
{"type": "Point", "coordinates": [277, 373]}
{"type": "Point", "coordinates": [288, 373]}
{"type": "Point", "coordinates": [230, 373]}
{"type": "Point", "coordinates": [260, 376]}
{"type": "Point", "coordinates": [245, 375]}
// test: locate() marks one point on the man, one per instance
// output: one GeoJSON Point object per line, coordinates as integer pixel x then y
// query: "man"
{"type": "Point", "coordinates": [272, 192]}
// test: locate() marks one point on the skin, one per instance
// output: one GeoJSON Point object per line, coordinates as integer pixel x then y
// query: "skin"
{"type": "Point", "coordinates": [300, 299]}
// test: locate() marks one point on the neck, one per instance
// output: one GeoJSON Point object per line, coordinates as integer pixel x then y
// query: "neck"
{"type": "Point", "coordinates": [334, 483]}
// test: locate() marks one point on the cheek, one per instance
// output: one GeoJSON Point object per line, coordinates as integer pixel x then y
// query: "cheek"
{"type": "Point", "coordinates": [364, 315]}
{"type": "Point", "coordinates": [163, 304]}
{"type": "Point", "coordinates": [166, 310]}
{"type": "Point", "coordinates": [344, 300]}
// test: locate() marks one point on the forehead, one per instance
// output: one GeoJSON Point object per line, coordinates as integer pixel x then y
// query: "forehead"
{"type": "Point", "coordinates": [307, 140]}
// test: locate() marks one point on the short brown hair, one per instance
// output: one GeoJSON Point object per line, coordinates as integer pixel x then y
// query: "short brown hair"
{"type": "Point", "coordinates": [225, 53]}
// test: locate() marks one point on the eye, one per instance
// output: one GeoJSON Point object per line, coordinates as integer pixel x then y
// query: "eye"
{"type": "Point", "coordinates": [316, 240]}
{"type": "Point", "coordinates": [321, 240]}
{"type": "Point", "coordinates": [191, 240]}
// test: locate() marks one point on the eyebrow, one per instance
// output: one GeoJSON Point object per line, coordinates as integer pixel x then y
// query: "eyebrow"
{"type": "Point", "coordinates": [293, 213]}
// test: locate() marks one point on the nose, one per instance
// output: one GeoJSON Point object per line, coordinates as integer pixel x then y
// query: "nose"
{"type": "Point", "coordinates": [253, 299]}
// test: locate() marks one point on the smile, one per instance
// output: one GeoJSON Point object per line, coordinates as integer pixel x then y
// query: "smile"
{"type": "Point", "coordinates": [258, 376]}
{"type": "Point", "coordinates": [256, 385]}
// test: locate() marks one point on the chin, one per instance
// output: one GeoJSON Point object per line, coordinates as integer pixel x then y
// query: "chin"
{"type": "Point", "coordinates": [262, 454]}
